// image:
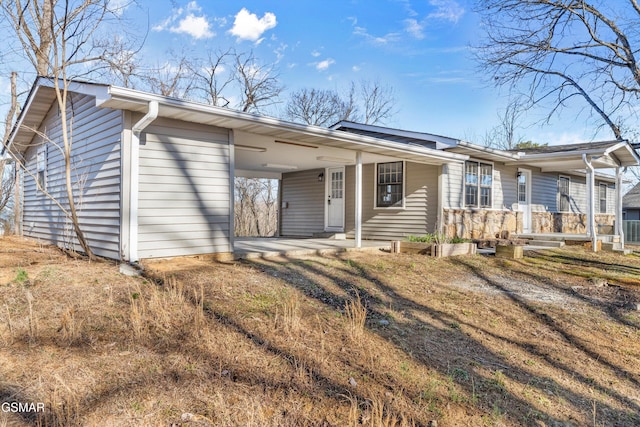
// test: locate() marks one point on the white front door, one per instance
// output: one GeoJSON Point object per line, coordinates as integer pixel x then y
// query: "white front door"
{"type": "Point", "coordinates": [524, 198]}
{"type": "Point", "coordinates": [334, 212]}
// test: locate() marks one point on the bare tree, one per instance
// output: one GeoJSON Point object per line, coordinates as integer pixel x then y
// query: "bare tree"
{"type": "Point", "coordinates": [255, 207]}
{"type": "Point", "coordinates": [317, 107]}
{"type": "Point", "coordinates": [377, 100]}
{"type": "Point", "coordinates": [563, 51]}
{"type": "Point", "coordinates": [121, 61]}
{"type": "Point", "coordinates": [504, 136]}
{"type": "Point", "coordinates": [59, 39]}
{"type": "Point", "coordinates": [173, 78]}
{"type": "Point", "coordinates": [209, 83]}
{"type": "Point", "coordinates": [367, 101]}
{"type": "Point", "coordinates": [259, 83]}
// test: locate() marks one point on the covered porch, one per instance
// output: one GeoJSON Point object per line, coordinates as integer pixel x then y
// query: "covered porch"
{"type": "Point", "coordinates": [594, 161]}
{"type": "Point", "coordinates": [326, 183]}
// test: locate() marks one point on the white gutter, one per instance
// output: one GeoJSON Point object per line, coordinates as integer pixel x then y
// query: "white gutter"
{"type": "Point", "coordinates": [591, 223]}
{"type": "Point", "coordinates": [136, 130]}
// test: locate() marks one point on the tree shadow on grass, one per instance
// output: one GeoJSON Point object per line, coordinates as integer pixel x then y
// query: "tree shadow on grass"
{"type": "Point", "coordinates": [449, 341]}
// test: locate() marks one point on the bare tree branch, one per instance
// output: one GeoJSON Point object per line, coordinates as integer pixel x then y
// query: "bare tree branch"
{"type": "Point", "coordinates": [259, 83]}
{"type": "Point", "coordinates": [569, 49]}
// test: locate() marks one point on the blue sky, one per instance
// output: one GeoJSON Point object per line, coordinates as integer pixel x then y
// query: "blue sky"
{"type": "Point", "coordinates": [419, 47]}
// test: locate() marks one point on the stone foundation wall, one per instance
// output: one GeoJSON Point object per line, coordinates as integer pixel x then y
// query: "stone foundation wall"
{"type": "Point", "coordinates": [550, 222]}
{"type": "Point", "coordinates": [481, 224]}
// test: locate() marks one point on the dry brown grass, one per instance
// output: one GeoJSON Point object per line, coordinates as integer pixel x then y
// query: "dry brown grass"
{"type": "Point", "coordinates": [276, 342]}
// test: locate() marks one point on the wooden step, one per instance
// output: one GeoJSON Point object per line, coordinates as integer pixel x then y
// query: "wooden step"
{"type": "Point", "coordinates": [547, 243]}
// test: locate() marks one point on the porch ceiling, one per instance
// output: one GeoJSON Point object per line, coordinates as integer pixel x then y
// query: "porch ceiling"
{"type": "Point", "coordinates": [263, 156]}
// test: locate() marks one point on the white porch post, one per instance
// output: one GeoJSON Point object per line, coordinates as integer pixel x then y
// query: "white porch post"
{"type": "Point", "coordinates": [619, 225]}
{"type": "Point", "coordinates": [591, 223]}
{"type": "Point", "coordinates": [358, 210]}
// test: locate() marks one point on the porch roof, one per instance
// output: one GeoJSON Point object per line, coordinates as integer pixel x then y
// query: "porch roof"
{"type": "Point", "coordinates": [563, 158]}
{"type": "Point", "coordinates": [297, 135]}
{"type": "Point", "coordinates": [279, 131]}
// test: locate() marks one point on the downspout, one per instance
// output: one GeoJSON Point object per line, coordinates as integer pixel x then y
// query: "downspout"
{"type": "Point", "coordinates": [590, 208]}
{"type": "Point", "coordinates": [136, 130]}
{"type": "Point", "coordinates": [619, 224]}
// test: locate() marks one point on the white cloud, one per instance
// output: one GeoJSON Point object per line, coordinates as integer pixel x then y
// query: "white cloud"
{"type": "Point", "coordinates": [376, 40]}
{"type": "Point", "coordinates": [355, 68]}
{"type": "Point", "coordinates": [415, 28]}
{"type": "Point", "coordinates": [187, 21]}
{"type": "Point", "coordinates": [247, 26]}
{"type": "Point", "coordinates": [324, 65]}
{"type": "Point", "coordinates": [197, 27]}
{"type": "Point", "coordinates": [315, 54]}
{"type": "Point", "coordinates": [448, 10]}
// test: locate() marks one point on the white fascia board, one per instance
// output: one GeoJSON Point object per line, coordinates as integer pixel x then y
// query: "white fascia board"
{"type": "Point", "coordinates": [21, 117]}
{"type": "Point", "coordinates": [141, 99]}
{"type": "Point", "coordinates": [99, 91]}
{"type": "Point", "coordinates": [624, 144]}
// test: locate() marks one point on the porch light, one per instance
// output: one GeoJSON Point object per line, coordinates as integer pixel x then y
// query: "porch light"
{"type": "Point", "coordinates": [321, 177]}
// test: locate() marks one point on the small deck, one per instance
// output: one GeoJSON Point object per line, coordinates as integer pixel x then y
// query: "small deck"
{"type": "Point", "coordinates": [264, 247]}
{"type": "Point", "coordinates": [605, 238]}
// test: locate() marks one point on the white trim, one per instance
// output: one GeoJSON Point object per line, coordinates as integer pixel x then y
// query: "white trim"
{"type": "Point", "coordinates": [619, 214]}
{"type": "Point", "coordinates": [327, 192]}
{"type": "Point", "coordinates": [591, 223]}
{"type": "Point", "coordinates": [375, 186]}
{"type": "Point", "coordinates": [463, 202]}
{"type": "Point", "coordinates": [358, 195]}
{"type": "Point", "coordinates": [526, 228]}
{"type": "Point", "coordinates": [232, 189]}
{"type": "Point", "coordinates": [558, 194]}
{"type": "Point", "coordinates": [606, 197]}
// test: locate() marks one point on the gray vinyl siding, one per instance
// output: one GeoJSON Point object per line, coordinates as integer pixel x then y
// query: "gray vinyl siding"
{"type": "Point", "coordinates": [452, 182]}
{"type": "Point", "coordinates": [184, 192]}
{"type": "Point", "coordinates": [419, 215]}
{"type": "Point", "coordinates": [505, 186]}
{"type": "Point", "coordinates": [504, 189]}
{"type": "Point", "coordinates": [95, 175]}
{"type": "Point", "coordinates": [545, 192]}
{"type": "Point", "coordinates": [611, 197]}
{"type": "Point", "coordinates": [303, 195]}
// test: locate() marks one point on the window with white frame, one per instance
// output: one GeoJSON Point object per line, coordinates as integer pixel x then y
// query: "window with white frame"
{"type": "Point", "coordinates": [478, 184]}
{"type": "Point", "coordinates": [389, 188]}
{"type": "Point", "coordinates": [564, 194]}
{"type": "Point", "coordinates": [602, 196]}
{"type": "Point", "coordinates": [41, 167]}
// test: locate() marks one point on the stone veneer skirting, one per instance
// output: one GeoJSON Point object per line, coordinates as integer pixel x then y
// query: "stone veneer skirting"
{"type": "Point", "coordinates": [491, 224]}
{"type": "Point", "coordinates": [550, 222]}
{"type": "Point", "coordinates": [481, 224]}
